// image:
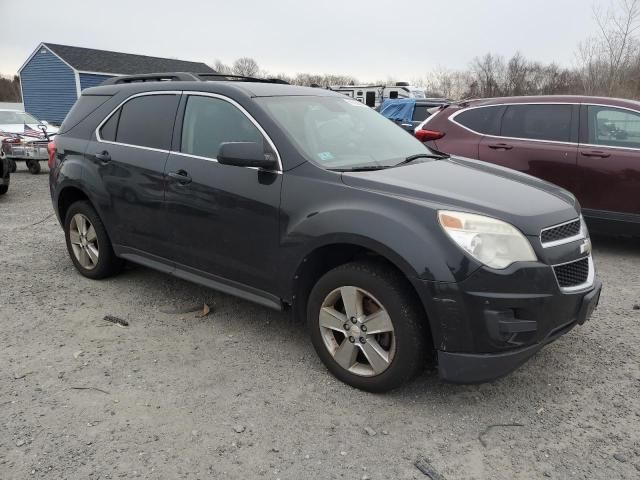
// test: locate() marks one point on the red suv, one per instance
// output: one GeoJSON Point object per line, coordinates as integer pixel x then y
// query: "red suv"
{"type": "Point", "coordinates": [588, 145]}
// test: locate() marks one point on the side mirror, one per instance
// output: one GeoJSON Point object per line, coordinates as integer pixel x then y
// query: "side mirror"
{"type": "Point", "coordinates": [246, 154]}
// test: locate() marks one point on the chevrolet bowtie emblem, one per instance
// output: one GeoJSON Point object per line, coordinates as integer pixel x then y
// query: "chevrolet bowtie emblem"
{"type": "Point", "coordinates": [585, 247]}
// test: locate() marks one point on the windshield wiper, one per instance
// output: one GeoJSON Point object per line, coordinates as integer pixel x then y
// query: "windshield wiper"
{"type": "Point", "coordinates": [411, 158]}
{"type": "Point", "coordinates": [366, 168]}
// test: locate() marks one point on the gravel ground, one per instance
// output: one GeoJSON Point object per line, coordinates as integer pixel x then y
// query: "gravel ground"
{"type": "Point", "coordinates": [240, 393]}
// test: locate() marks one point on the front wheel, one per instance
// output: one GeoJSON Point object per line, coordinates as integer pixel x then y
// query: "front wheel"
{"type": "Point", "coordinates": [367, 327]}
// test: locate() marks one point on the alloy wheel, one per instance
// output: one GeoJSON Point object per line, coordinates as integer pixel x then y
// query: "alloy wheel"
{"type": "Point", "coordinates": [357, 331]}
{"type": "Point", "coordinates": [84, 241]}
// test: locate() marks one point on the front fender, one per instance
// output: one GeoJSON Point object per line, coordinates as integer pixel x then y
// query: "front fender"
{"type": "Point", "coordinates": [319, 212]}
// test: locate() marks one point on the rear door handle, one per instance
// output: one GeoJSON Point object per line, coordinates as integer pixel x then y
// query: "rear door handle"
{"type": "Point", "coordinates": [500, 146]}
{"type": "Point", "coordinates": [181, 176]}
{"type": "Point", "coordinates": [594, 153]}
{"type": "Point", "coordinates": [103, 156]}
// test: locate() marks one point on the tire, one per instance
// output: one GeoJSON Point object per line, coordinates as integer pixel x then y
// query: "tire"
{"type": "Point", "coordinates": [13, 166]}
{"type": "Point", "coordinates": [384, 295]}
{"type": "Point", "coordinates": [92, 255]}
{"type": "Point", "coordinates": [4, 189]}
{"type": "Point", "coordinates": [34, 167]}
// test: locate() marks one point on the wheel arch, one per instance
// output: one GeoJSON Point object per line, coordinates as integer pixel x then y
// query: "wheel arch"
{"type": "Point", "coordinates": [332, 253]}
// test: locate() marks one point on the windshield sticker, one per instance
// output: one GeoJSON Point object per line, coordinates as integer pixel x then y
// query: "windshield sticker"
{"type": "Point", "coordinates": [325, 156]}
{"type": "Point", "coordinates": [355, 103]}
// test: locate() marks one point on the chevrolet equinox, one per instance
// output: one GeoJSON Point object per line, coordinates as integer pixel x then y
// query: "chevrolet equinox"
{"type": "Point", "coordinates": [303, 199]}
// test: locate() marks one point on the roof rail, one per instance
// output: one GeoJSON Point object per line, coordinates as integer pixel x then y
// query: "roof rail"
{"type": "Point", "coordinates": [186, 77]}
{"type": "Point", "coordinates": [238, 78]}
{"type": "Point", "coordinates": [153, 77]}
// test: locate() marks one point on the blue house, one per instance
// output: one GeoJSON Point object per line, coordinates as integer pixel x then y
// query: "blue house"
{"type": "Point", "coordinates": [54, 75]}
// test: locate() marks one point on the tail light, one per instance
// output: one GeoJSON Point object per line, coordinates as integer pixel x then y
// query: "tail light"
{"type": "Point", "coordinates": [428, 135]}
{"type": "Point", "coordinates": [51, 150]}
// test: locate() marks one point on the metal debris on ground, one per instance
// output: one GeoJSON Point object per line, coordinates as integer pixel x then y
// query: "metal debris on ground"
{"type": "Point", "coordinates": [91, 388]}
{"type": "Point", "coordinates": [116, 320]}
{"type": "Point", "coordinates": [486, 430]}
{"type": "Point", "coordinates": [425, 467]}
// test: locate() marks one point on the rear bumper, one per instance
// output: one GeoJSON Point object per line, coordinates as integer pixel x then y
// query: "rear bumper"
{"type": "Point", "coordinates": [484, 367]}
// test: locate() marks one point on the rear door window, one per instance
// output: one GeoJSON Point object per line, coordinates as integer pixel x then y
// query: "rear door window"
{"type": "Point", "coordinates": [145, 121]}
{"type": "Point", "coordinates": [538, 122]}
{"type": "Point", "coordinates": [485, 120]}
{"type": "Point", "coordinates": [614, 127]}
{"type": "Point", "coordinates": [208, 122]}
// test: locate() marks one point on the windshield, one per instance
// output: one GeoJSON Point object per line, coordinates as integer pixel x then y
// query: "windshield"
{"type": "Point", "coordinates": [9, 117]}
{"type": "Point", "coordinates": [341, 133]}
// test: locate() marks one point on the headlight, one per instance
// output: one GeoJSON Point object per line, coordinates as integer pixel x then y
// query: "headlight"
{"type": "Point", "coordinates": [492, 242]}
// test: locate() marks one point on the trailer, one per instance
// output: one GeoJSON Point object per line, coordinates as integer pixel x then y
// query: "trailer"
{"type": "Point", "coordinates": [374, 95]}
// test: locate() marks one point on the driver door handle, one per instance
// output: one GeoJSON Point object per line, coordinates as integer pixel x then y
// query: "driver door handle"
{"type": "Point", "coordinates": [500, 146]}
{"type": "Point", "coordinates": [103, 156]}
{"type": "Point", "coordinates": [595, 153]}
{"type": "Point", "coordinates": [181, 176]}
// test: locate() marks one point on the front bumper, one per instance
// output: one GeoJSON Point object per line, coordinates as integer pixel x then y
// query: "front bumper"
{"type": "Point", "coordinates": [491, 323]}
{"type": "Point", "coordinates": [476, 368]}
{"type": "Point", "coordinates": [27, 151]}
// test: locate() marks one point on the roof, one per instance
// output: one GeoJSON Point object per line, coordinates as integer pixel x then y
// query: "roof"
{"type": "Point", "coordinates": [614, 102]}
{"type": "Point", "coordinates": [229, 88]}
{"type": "Point", "coordinates": [104, 61]}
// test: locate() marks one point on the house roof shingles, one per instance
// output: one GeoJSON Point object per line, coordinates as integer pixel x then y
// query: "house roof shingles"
{"type": "Point", "coordinates": [104, 61]}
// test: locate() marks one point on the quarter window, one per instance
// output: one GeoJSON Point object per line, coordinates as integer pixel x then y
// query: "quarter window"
{"type": "Point", "coordinates": [482, 120]}
{"type": "Point", "coordinates": [538, 122]}
{"type": "Point", "coordinates": [614, 127]}
{"type": "Point", "coordinates": [208, 122]}
{"type": "Point", "coordinates": [145, 121]}
{"type": "Point", "coordinates": [108, 130]}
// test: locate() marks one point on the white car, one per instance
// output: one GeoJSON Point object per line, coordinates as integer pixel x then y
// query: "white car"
{"type": "Point", "coordinates": [24, 137]}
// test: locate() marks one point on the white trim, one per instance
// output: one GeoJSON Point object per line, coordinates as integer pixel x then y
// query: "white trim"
{"type": "Point", "coordinates": [78, 87]}
{"type": "Point", "coordinates": [40, 46]}
{"type": "Point", "coordinates": [194, 93]}
{"type": "Point", "coordinates": [556, 142]}
{"type": "Point", "coordinates": [103, 73]}
{"type": "Point", "coordinates": [501, 137]}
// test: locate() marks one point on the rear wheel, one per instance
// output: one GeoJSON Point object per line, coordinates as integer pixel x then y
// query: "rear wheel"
{"type": "Point", "coordinates": [4, 189]}
{"type": "Point", "coordinates": [366, 326]}
{"type": "Point", "coordinates": [88, 243]}
{"type": "Point", "coordinates": [12, 165]}
{"type": "Point", "coordinates": [33, 166]}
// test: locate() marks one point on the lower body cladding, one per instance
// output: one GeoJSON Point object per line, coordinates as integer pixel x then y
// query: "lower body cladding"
{"type": "Point", "coordinates": [491, 323]}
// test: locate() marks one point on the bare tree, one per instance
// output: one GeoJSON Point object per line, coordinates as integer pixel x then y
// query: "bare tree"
{"type": "Point", "coordinates": [220, 67]}
{"type": "Point", "coordinates": [10, 89]}
{"type": "Point", "coordinates": [246, 66]}
{"type": "Point", "coordinates": [618, 30]}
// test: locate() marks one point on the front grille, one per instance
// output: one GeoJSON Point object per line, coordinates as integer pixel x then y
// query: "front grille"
{"type": "Point", "coordinates": [572, 274]}
{"type": "Point", "coordinates": [560, 232]}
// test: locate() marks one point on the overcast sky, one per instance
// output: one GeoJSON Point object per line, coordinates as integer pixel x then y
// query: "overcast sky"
{"type": "Point", "coordinates": [370, 39]}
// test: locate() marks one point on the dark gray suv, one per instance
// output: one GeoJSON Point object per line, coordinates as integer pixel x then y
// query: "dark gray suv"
{"type": "Point", "coordinates": [303, 200]}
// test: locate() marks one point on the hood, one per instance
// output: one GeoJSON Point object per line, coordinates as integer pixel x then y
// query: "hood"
{"type": "Point", "coordinates": [524, 201]}
{"type": "Point", "coordinates": [19, 128]}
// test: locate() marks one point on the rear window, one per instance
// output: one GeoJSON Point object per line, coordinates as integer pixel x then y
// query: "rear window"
{"type": "Point", "coordinates": [484, 120]}
{"type": "Point", "coordinates": [538, 122]}
{"type": "Point", "coordinates": [145, 121]}
{"type": "Point", "coordinates": [85, 105]}
{"type": "Point", "coordinates": [420, 113]}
